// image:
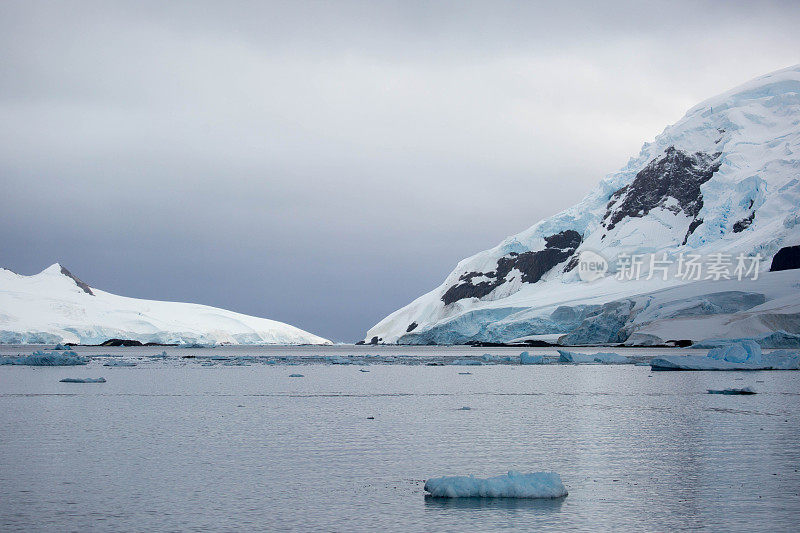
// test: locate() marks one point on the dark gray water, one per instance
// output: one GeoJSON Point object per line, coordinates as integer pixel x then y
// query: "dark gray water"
{"type": "Point", "coordinates": [175, 445]}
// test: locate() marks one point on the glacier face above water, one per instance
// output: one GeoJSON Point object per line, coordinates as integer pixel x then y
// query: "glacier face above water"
{"type": "Point", "coordinates": [55, 306]}
{"type": "Point", "coordinates": [725, 179]}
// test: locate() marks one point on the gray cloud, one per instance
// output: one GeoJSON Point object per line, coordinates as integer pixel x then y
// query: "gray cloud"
{"type": "Point", "coordinates": [325, 163]}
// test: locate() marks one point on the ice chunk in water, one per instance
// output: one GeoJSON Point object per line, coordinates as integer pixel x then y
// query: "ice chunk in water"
{"type": "Point", "coordinates": [39, 358]}
{"type": "Point", "coordinates": [512, 485]}
{"type": "Point", "coordinates": [526, 358]}
{"type": "Point", "coordinates": [582, 358]}
{"type": "Point", "coordinates": [466, 362]}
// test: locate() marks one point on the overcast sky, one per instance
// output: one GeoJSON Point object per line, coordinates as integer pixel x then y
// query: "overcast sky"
{"type": "Point", "coordinates": [325, 163]}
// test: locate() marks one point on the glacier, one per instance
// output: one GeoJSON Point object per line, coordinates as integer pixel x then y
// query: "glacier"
{"type": "Point", "coordinates": [724, 179]}
{"type": "Point", "coordinates": [55, 306]}
{"type": "Point", "coordinates": [512, 485]}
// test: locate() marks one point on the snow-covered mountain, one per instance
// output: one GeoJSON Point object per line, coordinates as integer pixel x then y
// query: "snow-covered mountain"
{"type": "Point", "coordinates": [55, 306]}
{"type": "Point", "coordinates": [725, 179]}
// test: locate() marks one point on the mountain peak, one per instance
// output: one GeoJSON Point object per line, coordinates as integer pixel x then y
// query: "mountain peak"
{"type": "Point", "coordinates": [57, 268]}
{"type": "Point", "coordinates": [721, 180]}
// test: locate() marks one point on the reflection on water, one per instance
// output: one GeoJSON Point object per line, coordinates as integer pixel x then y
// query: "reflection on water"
{"type": "Point", "coordinates": [529, 505]}
{"type": "Point", "coordinates": [170, 445]}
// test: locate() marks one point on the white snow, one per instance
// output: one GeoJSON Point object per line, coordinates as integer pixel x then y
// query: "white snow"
{"type": "Point", "coordinates": [512, 485]}
{"type": "Point", "coordinates": [743, 355]}
{"type": "Point", "coordinates": [83, 380]}
{"type": "Point", "coordinates": [51, 307]}
{"type": "Point", "coordinates": [755, 129]}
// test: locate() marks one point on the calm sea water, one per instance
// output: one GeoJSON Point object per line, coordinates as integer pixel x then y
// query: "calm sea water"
{"type": "Point", "coordinates": [176, 445]}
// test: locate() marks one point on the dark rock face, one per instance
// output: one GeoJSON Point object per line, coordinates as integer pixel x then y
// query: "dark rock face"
{"type": "Point", "coordinates": [745, 222]}
{"type": "Point", "coordinates": [79, 283]}
{"type": "Point", "coordinates": [692, 226]}
{"type": "Point", "coordinates": [121, 342]}
{"type": "Point", "coordinates": [787, 258]}
{"type": "Point", "coordinates": [677, 175]}
{"type": "Point", "coordinates": [411, 327]}
{"type": "Point", "coordinates": [532, 265]}
{"type": "Point", "coordinates": [573, 262]}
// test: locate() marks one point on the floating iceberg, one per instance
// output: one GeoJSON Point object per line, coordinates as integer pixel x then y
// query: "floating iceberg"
{"type": "Point", "coordinates": [490, 358]}
{"type": "Point", "coordinates": [743, 390]}
{"type": "Point", "coordinates": [39, 358]}
{"type": "Point", "coordinates": [583, 358]}
{"type": "Point", "coordinates": [512, 485]}
{"type": "Point", "coordinates": [742, 355]}
{"type": "Point", "coordinates": [296, 376]}
{"type": "Point", "coordinates": [526, 358]}
{"type": "Point", "coordinates": [83, 380]}
{"type": "Point", "coordinates": [466, 362]}
{"type": "Point", "coordinates": [776, 339]}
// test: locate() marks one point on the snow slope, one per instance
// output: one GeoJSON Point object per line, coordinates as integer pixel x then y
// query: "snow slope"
{"type": "Point", "coordinates": [724, 179]}
{"type": "Point", "coordinates": [55, 306]}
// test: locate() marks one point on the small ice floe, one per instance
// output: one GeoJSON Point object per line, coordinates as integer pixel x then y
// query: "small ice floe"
{"type": "Point", "coordinates": [525, 358]}
{"type": "Point", "coordinates": [39, 358]}
{"type": "Point", "coordinates": [118, 362]}
{"type": "Point", "coordinates": [162, 355]}
{"type": "Point", "coordinates": [465, 408]}
{"type": "Point", "coordinates": [743, 390]}
{"type": "Point", "coordinates": [83, 380]}
{"type": "Point", "coordinates": [296, 376]}
{"type": "Point", "coordinates": [607, 358]}
{"type": "Point", "coordinates": [363, 370]}
{"type": "Point", "coordinates": [466, 362]}
{"type": "Point", "coordinates": [741, 355]}
{"type": "Point", "coordinates": [60, 347]}
{"type": "Point", "coordinates": [512, 485]}
{"type": "Point", "coordinates": [465, 373]}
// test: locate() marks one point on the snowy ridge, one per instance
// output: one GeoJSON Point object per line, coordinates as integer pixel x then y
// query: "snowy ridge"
{"type": "Point", "coordinates": [55, 306]}
{"type": "Point", "coordinates": [723, 179]}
